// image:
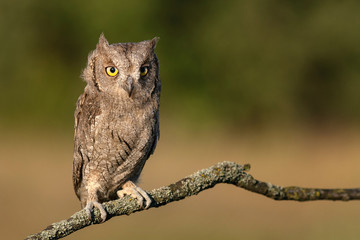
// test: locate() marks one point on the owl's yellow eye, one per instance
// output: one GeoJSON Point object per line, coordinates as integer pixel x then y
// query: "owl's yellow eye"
{"type": "Point", "coordinates": [144, 71]}
{"type": "Point", "coordinates": [111, 71]}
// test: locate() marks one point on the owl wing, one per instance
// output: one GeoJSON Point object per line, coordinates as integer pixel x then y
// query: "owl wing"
{"type": "Point", "coordinates": [156, 134]}
{"type": "Point", "coordinates": [87, 108]}
{"type": "Point", "coordinates": [131, 164]}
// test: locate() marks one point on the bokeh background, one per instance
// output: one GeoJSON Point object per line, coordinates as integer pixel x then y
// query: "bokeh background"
{"type": "Point", "coordinates": [272, 83]}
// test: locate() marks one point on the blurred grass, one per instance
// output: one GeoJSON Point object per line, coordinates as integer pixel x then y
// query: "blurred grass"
{"type": "Point", "coordinates": [274, 84]}
{"type": "Point", "coordinates": [36, 188]}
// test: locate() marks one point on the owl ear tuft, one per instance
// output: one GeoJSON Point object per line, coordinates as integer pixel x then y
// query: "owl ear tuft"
{"type": "Point", "coordinates": [153, 42]}
{"type": "Point", "coordinates": [103, 43]}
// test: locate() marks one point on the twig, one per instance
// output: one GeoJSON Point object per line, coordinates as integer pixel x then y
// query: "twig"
{"type": "Point", "coordinates": [224, 172]}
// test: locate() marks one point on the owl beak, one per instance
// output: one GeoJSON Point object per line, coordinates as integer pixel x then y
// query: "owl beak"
{"type": "Point", "coordinates": [128, 85]}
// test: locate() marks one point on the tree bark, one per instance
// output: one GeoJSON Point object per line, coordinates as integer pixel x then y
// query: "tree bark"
{"type": "Point", "coordinates": [224, 172]}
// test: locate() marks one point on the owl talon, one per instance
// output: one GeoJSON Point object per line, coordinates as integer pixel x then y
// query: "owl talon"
{"type": "Point", "coordinates": [88, 208]}
{"type": "Point", "coordinates": [129, 188]}
{"type": "Point", "coordinates": [146, 196]}
{"type": "Point", "coordinates": [90, 205]}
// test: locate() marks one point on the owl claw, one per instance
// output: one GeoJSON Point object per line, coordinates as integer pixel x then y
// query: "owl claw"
{"type": "Point", "coordinates": [129, 188]}
{"type": "Point", "coordinates": [90, 205]}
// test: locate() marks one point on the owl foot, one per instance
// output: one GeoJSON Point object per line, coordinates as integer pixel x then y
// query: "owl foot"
{"type": "Point", "coordinates": [90, 205]}
{"type": "Point", "coordinates": [129, 188]}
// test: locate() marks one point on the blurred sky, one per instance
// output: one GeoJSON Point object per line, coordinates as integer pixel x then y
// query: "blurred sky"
{"type": "Point", "coordinates": [226, 67]}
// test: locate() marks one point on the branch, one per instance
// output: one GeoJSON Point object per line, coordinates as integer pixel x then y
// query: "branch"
{"type": "Point", "coordinates": [224, 172]}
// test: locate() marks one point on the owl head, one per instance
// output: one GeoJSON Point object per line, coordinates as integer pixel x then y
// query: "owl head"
{"type": "Point", "coordinates": [124, 70]}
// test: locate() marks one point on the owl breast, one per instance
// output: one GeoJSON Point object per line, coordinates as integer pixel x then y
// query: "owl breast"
{"type": "Point", "coordinates": [123, 137]}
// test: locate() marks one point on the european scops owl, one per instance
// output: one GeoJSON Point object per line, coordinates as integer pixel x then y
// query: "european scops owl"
{"type": "Point", "coordinates": [116, 122]}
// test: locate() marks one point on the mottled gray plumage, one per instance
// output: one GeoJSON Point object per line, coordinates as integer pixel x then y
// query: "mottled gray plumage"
{"type": "Point", "coordinates": [116, 122]}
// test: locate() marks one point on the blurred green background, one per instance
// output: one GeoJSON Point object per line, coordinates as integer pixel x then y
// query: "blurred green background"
{"type": "Point", "coordinates": [273, 83]}
{"type": "Point", "coordinates": [234, 63]}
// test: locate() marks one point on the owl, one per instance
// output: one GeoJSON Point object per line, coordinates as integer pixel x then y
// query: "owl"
{"type": "Point", "coordinates": [116, 123]}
